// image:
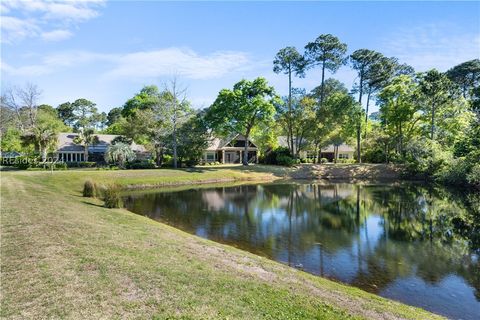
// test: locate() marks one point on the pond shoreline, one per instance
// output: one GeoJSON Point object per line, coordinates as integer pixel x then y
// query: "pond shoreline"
{"type": "Point", "coordinates": [154, 269]}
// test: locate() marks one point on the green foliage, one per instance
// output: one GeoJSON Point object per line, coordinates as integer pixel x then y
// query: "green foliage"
{"type": "Point", "coordinates": [288, 60]}
{"type": "Point", "coordinates": [111, 196]}
{"type": "Point", "coordinates": [473, 177]}
{"type": "Point", "coordinates": [249, 104]}
{"type": "Point", "coordinates": [89, 189]}
{"type": "Point", "coordinates": [25, 162]}
{"type": "Point", "coordinates": [66, 113]}
{"type": "Point", "coordinates": [426, 159]}
{"type": "Point", "coordinates": [323, 160]}
{"type": "Point", "coordinates": [119, 154]}
{"type": "Point", "coordinates": [141, 164]}
{"type": "Point", "coordinates": [82, 164]}
{"type": "Point", "coordinates": [86, 137]}
{"type": "Point", "coordinates": [434, 88]}
{"type": "Point", "coordinates": [85, 114]}
{"type": "Point", "coordinates": [147, 98]}
{"type": "Point", "coordinates": [279, 156]}
{"type": "Point", "coordinates": [466, 75]}
{"type": "Point", "coordinates": [192, 140]}
{"type": "Point", "coordinates": [114, 116]}
{"type": "Point", "coordinates": [284, 160]}
{"type": "Point", "coordinates": [10, 140]}
{"type": "Point", "coordinates": [44, 134]}
{"type": "Point", "coordinates": [327, 51]}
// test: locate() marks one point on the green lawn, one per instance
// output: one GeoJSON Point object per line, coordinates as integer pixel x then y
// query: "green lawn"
{"type": "Point", "coordinates": [65, 256]}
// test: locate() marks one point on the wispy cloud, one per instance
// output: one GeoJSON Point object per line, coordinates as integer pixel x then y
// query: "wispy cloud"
{"type": "Point", "coordinates": [431, 46]}
{"type": "Point", "coordinates": [48, 20]}
{"type": "Point", "coordinates": [142, 65]}
{"type": "Point", "coordinates": [186, 62]}
{"type": "Point", "coordinates": [56, 35]}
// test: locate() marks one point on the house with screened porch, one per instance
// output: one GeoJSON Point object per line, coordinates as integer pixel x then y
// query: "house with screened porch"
{"type": "Point", "coordinates": [230, 150]}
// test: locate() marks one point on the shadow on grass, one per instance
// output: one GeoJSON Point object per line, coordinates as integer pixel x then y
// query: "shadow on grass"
{"type": "Point", "coordinates": [93, 204]}
{"type": "Point", "coordinates": [277, 171]}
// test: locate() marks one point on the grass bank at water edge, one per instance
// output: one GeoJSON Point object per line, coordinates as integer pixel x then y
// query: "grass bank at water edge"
{"type": "Point", "coordinates": [66, 256]}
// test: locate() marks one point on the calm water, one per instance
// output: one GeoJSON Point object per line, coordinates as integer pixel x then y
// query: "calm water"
{"type": "Point", "coordinates": [410, 243]}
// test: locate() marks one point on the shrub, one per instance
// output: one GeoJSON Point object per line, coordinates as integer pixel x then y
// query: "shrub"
{"type": "Point", "coordinates": [83, 164]}
{"type": "Point", "coordinates": [284, 160]}
{"type": "Point", "coordinates": [100, 191]}
{"type": "Point", "coordinates": [280, 156]}
{"type": "Point", "coordinates": [141, 164]}
{"type": "Point", "coordinates": [24, 162]}
{"type": "Point", "coordinates": [48, 166]}
{"type": "Point", "coordinates": [349, 161]}
{"type": "Point", "coordinates": [191, 162]}
{"type": "Point", "coordinates": [89, 189]}
{"type": "Point", "coordinates": [323, 160]}
{"type": "Point", "coordinates": [167, 161]}
{"type": "Point", "coordinates": [111, 196]}
{"type": "Point", "coordinates": [426, 159]}
{"type": "Point", "coordinates": [474, 176]}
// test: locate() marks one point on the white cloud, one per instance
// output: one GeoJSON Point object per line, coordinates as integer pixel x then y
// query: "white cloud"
{"type": "Point", "coordinates": [185, 62]}
{"type": "Point", "coordinates": [433, 46]}
{"type": "Point", "coordinates": [16, 29]}
{"type": "Point", "coordinates": [141, 65]}
{"type": "Point", "coordinates": [56, 35]}
{"type": "Point", "coordinates": [40, 18]}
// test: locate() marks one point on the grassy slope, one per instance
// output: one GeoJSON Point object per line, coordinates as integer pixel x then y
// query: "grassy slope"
{"type": "Point", "coordinates": [65, 256]}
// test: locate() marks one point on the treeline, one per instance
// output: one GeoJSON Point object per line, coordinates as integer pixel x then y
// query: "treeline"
{"type": "Point", "coordinates": [429, 122]}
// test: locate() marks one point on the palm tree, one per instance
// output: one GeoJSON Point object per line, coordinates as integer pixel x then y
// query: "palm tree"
{"type": "Point", "coordinates": [119, 153]}
{"type": "Point", "coordinates": [44, 134]}
{"type": "Point", "coordinates": [86, 138]}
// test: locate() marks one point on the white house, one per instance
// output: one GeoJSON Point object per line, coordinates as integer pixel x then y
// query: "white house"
{"type": "Point", "coordinates": [344, 151]}
{"type": "Point", "coordinates": [69, 151]}
{"type": "Point", "coordinates": [230, 150]}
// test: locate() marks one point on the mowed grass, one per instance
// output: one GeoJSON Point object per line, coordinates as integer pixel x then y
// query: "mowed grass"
{"type": "Point", "coordinates": [65, 256]}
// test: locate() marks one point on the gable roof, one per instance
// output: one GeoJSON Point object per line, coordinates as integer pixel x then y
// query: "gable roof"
{"type": "Point", "coordinates": [217, 143]}
{"type": "Point", "coordinates": [66, 143]}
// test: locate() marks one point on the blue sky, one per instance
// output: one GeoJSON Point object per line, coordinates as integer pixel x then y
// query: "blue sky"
{"type": "Point", "coordinates": [107, 51]}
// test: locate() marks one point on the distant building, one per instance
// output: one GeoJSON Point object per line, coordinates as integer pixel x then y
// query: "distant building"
{"type": "Point", "coordinates": [230, 150]}
{"type": "Point", "coordinates": [344, 150]}
{"type": "Point", "coordinates": [69, 151]}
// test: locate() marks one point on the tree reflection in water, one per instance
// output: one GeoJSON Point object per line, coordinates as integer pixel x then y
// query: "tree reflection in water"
{"type": "Point", "coordinates": [382, 238]}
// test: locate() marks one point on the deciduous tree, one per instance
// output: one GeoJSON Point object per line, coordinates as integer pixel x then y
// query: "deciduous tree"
{"type": "Point", "coordinates": [250, 103]}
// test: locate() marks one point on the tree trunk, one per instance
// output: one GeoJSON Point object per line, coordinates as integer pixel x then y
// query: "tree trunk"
{"type": "Point", "coordinates": [174, 136]}
{"type": "Point", "coordinates": [359, 153]}
{"type": "Point", "coordinates": [432, 129]}
{"type": "Point", "coordinates": [43, 150]}
{"type": "Point", "coordinates": [159, 156]}
{"type": "Point", "coordinates": [401, 140]}
{"type": "Point", "coordinates": [245, 151]}
{"type": "Point", "coordinates": [290, 124]}
{"type": "Point", "coordinates": [366, 113]}
{"type": "Point", "coordinates": [322, 88]}
{"type": "Point", "coordinates": [85, 152]}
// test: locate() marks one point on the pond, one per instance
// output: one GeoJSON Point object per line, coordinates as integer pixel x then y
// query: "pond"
{"type": "Point", "coordinates": [408, 242]}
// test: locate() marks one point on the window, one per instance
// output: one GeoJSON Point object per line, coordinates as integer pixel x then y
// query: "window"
{"type": "Point", "coordinates": [343, 156]}
{"type": "Point", "coordinates": [210, 156]}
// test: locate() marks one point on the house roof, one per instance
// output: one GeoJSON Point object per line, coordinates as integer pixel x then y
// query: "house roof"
{"type": "Point", "coordinates": [218, 144]}
{"type": "Point", "coordinates": [66, 143]}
